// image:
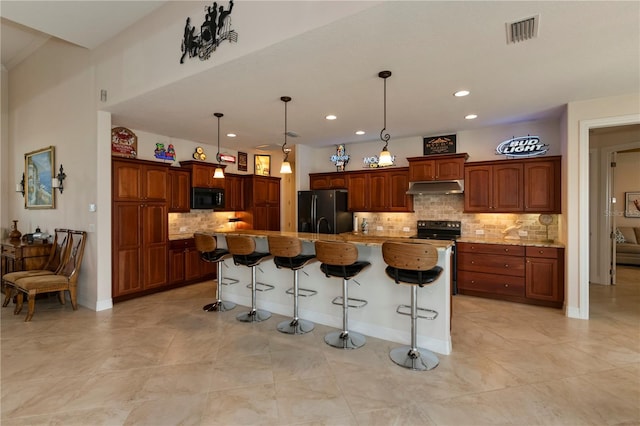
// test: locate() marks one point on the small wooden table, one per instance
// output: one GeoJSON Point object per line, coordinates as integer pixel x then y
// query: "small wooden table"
{"type": "Point", "coordinates": [17, 255]}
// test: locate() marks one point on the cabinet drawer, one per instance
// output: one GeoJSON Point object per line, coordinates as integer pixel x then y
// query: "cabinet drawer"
{"type": "Point", "coordinates": [503, 249]}
{"type": "Point", "coordinates": [491, 263]}
{"type": "Point", "coordinates": [548, 252]}
{"type": "Point", "coordinates": [491, 283]}
{"type": "Point", "coordinates": [8, 251]}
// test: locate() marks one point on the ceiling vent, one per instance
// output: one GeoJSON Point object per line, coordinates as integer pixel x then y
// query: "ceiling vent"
{"type": "Point", "coordinates": [523, 30]}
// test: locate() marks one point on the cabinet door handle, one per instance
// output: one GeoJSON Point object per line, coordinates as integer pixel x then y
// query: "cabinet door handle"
{"type": "Point", "coordinates": [473, 262]}
{"type": "Point", "coordinates": [506, 265]}
{"type": "Point", "coordinates": [541, 251]}
{"type": "Point", "coordinates": [506, 285]}
{"type": "Point", "coordinates": [506, 250]}
{"type": "Point", "coordinates": [473, 281]}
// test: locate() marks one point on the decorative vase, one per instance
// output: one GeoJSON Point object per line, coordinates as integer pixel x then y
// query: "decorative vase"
{"type": "Point", "coordinates": [15, 234]}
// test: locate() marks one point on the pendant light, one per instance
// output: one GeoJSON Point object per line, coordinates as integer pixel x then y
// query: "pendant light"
{"type": "Point", "coordinates": [385, 156]}
{"type": "Point", "coordinates": [286, 166]}
{"type": "Point", "coordinates": [219, 172]}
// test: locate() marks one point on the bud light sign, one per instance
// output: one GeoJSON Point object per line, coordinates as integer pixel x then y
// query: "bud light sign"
{"type": "Point", "coordinates": [524, 146]}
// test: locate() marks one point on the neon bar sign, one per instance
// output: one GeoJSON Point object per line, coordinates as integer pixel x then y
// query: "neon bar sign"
{"type": "Point", "coordinates": [524, 146]}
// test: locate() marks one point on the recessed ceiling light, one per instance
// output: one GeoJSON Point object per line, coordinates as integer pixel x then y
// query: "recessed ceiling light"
{"type": "Point", "coordinates": [331, 117]}
{"type": "Point", "coordinates": [471, 116]}
{"type": "Point", "coordinates": [231, 135]}
{"type": "Point", "coordinates": [461, 93]}
{"type": "Point", "coordinates": [360, 132]}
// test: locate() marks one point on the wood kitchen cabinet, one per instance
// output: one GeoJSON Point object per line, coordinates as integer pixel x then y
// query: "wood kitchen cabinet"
{"type": "Point", "coordinates": [334, 180]}
{"type": "Point", "coordinates": [185, 264]}
{"type": "Point", "coordinates": [379, 190]}
{"type": "Point", "coordinates": [233, 192]}
{"type": "Point", "coordinates": [202, 174]}
{"type": "Point", "coordinates": [513, 186]}
{"type": "Point", "coordinates": [261, 203]}
{"type": "Point", "coordinates": [139, 180]}
{"type": "Point", "coordinates": [524, 274]}
{"type": "Point", "coordinates": [545, 274]}
{"type": "Point", "coordinates": [437, 167]}
{"type": "Point", "coordinates": [179, 190]}
{"type": "Point", "coordinates": [139, 227]}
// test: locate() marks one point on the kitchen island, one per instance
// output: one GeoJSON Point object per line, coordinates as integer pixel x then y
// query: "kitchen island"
{"type": "Point", "coordinates": [378, 318]}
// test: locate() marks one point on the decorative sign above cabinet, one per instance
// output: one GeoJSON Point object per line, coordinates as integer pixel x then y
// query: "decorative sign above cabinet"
{"type": "Point", "coordinates": [521, 147]}
{"type": "Point", "coordinates": [439, 144]}
{"type": "Point", "coordinates": [340, 158]}
{"type": "Point", "coordinates": [215, 29]}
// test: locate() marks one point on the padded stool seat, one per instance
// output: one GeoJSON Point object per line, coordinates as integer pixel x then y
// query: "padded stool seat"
{"type": "Point", "coordinates": [243, 250]}
{"type": "Point", "coordinates": [340, 259]}
{"type": "Point", "coordinates": [209, 252]}
{"type": "Point", "coordinates": [415, 264]}
{"type": "Point", "coordinates": [287, 253]}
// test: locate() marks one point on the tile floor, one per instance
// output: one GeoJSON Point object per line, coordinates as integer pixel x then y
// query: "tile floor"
{"type": "Point", "coordinates": [161, 360]}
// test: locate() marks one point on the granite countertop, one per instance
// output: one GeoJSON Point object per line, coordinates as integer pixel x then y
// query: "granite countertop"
{"type": "Point", "coordinates": [184, 236]}
{"type": "Point", "coordinates": [519, 242]}
{"type": "Point", "coordinates": [356, 238]}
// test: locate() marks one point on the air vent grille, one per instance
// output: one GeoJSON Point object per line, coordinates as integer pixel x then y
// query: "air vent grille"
{"type": "Point", "coordinates": [522, 30]}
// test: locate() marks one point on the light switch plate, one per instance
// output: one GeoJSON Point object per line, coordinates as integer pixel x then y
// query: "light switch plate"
{"type": "Point", "coordinates": [479, 231]}
{"type": "Point", "coordinates": [379, 228]}
{"type": "Point", "coordinates": [523, 233]}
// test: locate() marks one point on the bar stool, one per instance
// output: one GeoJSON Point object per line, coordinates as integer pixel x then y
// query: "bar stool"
{"type": "Point", "coordinates": [209, 252]}
{"type": "Point", "coordinates": [244, 252]}
{"type": "Point", "coordinates": [340, 259]}
{"type": "Point", "coordinates": [413, 264]}
{"type": "Point", "coordinates": [287, 252]}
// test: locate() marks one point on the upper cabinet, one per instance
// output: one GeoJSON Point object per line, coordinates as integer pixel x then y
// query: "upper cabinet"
{"type": "Point", "coordinates": [513, 186]}
{"type": "Point", "coordinates": [437, 167]}
{"type": "Point", "coordinates": [202, 174]}
{"type": "Point", "coordinates": [383, 190]}
{"type": "Point", "coordinates": [138, 180]}
{"type": "Point", "coordinates": [334, 180]}
{"type": "Point", "coordinates": [179, 190]}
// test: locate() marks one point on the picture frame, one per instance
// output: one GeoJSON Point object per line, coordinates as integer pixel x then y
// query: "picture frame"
{"type": "Point", "coordinates": [38, 171]}
{"type": "Point", "coordinates": [444, 144]}
{"type": "Point", "coordinates": [262, 164]}
{"type": "Point", "coordinates": [632, 204]}
{"type": "Point", "coordinates": [242, 161]}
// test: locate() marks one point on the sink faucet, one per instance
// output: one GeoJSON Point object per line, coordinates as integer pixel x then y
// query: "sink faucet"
{"type": "Point", "coordinates": [320, 221]}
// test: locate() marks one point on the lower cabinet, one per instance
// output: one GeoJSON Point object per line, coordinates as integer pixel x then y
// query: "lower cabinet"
{"type": "Point", "coordinates": [185, 264]}
{"type": "Point", "coordinates": [525, 274]}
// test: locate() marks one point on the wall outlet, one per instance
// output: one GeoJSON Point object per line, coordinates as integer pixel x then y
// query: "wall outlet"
{"type": "Point", "coordinates": [479, 231]}
{"type": "Point", "coordinates": [92, 227]}
{"type": "Point", "coordinates": [406, 229]}
{"type": "Point", "coordinates": [183, 229]}
{"type": "Point", "coordinates": [379, 228]}
{"type": "Point", "coordinates": [523, 233]}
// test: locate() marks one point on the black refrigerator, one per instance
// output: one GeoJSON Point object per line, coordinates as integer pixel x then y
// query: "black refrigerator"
{"type": "Point", "coordinates": [324, 211]}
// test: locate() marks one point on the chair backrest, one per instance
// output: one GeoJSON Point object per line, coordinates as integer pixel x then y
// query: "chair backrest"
{"type": "Point", "coordinates": [411, 256]}
{"type": "Point", "coordinates": [204, 242]}
{"type": "Point", "coordinates": [71, 265]}
{"type": "Point", "coordinates": [336, 253]}
{"type": "Point", "coordinates": [282, 246]}
{"type": "Point", "coordinates": [240, 245]}
{"type": "Point", "coordinates": [59, 250]}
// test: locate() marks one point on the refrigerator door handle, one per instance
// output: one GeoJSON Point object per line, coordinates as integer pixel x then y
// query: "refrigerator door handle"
{"type": "Point", "coordinates": [314, 200]}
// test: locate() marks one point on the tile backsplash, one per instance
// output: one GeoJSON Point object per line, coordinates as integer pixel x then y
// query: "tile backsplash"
{"type": "Point", "coordinates": [450, 207]}
{"type": "Point", "coordinates": [199, 220]}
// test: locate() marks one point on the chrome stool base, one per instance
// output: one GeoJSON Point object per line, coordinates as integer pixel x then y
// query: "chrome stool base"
{"type": "Point", "coordinates": [295, 326]}
{"type": "Point", "coordinates": [414, 359]}
{"type": "Point", "coordinates": [254, 315]}
{"type": "Point", "coordinates": [345, 340]}
{"type": "Point", "coordinates": [219, 306]}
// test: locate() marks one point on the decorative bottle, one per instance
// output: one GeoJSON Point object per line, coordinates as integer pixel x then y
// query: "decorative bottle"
{"type": "Point", "coordinates": [365, 225]}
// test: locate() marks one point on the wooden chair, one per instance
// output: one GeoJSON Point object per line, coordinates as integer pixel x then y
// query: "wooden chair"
{"type": "Point", "coordinates": [209, 252]}
{"type": "Point", "coordinates": [414, 264]}
{"type": "Point", "coordinates": [59, 251]}
{"type": "Point", "coordinates": [65, 279]}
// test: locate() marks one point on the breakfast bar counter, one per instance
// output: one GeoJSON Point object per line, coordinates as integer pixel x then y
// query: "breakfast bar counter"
{"type": "Point", "coordinates": [378, 318]}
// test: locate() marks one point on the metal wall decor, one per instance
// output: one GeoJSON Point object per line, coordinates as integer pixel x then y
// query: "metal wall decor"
{"type": "Point", "coordinates": [215, 29]}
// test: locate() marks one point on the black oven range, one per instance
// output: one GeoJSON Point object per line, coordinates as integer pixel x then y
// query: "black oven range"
{"type": "Point", "coordinates": [449, 230]}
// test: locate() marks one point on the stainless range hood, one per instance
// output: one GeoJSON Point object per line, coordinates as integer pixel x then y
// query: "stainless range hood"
{"type": "Point", "coordinates": [436, 187]}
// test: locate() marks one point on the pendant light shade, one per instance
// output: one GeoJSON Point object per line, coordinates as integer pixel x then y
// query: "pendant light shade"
{"type": "Point", "coordinates": [286, 166]}
{"type": "Point", "coordinates": [218, 172]}
{"type": "Point", "coordinates": [385, 159]}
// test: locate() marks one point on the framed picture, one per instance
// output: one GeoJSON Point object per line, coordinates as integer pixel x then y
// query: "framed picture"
{"type": "Point", "coordinates": [632, 204]}
{"type": "Point", "coordinates": [262, 164]}
{"type": "Point", "coordinates": [445, 144]}
{"type": "Point", "coordinates": [38, 171]}
{"type": "Point", "coordinates": [242, 161]}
